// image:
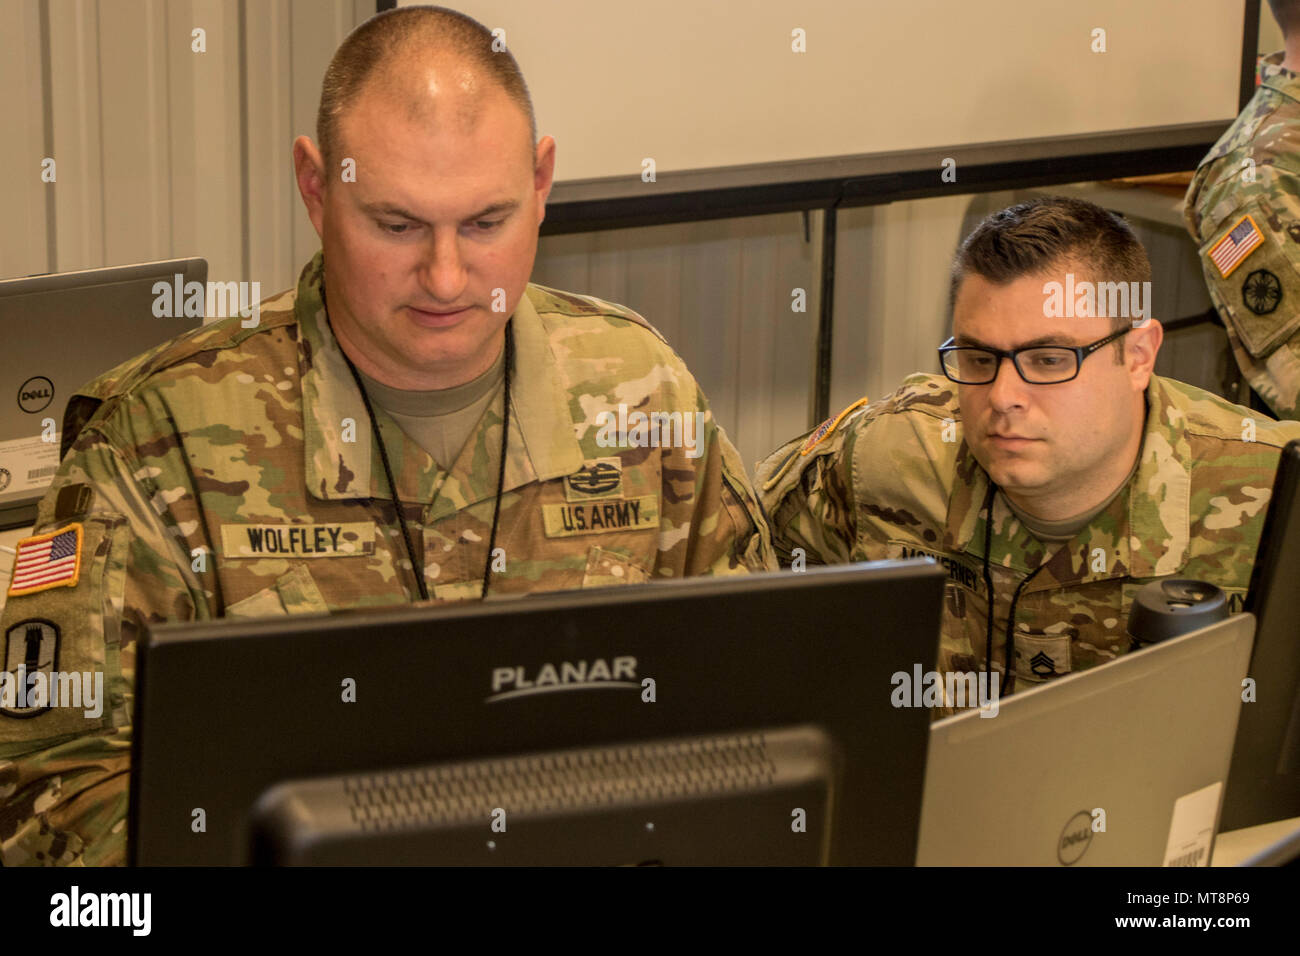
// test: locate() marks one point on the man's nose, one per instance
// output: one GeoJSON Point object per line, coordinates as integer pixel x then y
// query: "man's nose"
{"type": "Point", "coordinates": [444, 268]}
{"type": "Point", "coordinates": [1008, 389]}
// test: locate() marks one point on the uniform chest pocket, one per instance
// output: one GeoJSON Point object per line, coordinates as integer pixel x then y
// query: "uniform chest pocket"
{"type": "Point", "coordinates": [1042, 656]}
{"type": "Point", "coordinates": [965, 609]}
{"type": "Point", "coordinates": [607, 568]}
{"type": "Point", "coordinates": [598, 568]}
{"type": "Point", "coordinates": [294, 592]}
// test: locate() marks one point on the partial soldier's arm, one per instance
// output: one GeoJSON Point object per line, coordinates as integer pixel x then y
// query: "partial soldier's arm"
{"type": "Point", "coordinates": [712, 507]}
{"type": "Point", "coordinates": [808, 493]}
{"type": "Point", "coordinates": [1248, 232]}
{"type": "Point", "coordinates": [871, 475]}
{"type": "Point", "coordinates": [64, 772]}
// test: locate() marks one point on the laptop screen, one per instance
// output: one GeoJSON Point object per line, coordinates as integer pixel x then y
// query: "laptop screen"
{"type": "Point", "coordinates": [61, 331]}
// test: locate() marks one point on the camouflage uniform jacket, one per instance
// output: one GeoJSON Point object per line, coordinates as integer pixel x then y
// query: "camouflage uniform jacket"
{"type": "Point", "coordinates": [217, 477]}
{"type": "Point", "coordinates": [895, 479]}
{"type": "Point", "coordinates": [1243, 210]}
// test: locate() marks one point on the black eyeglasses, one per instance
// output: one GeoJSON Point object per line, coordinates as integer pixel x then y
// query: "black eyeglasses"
{"type": "Point", "coordinates": [1042, 364]}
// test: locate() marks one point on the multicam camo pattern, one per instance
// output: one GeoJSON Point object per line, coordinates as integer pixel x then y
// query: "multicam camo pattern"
{"type": "Point", "coordinates": [229, 428]}
{"type": "Point", "coordinates": [1263, 143]}
{"type": "Point", "coordinates": [885, 484]}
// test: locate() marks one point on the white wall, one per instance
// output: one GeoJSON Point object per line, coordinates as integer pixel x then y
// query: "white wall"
{"type": "Point", "coordinates": [1270, 34]}
{"type": "Point", "coordinates": [715, 83]}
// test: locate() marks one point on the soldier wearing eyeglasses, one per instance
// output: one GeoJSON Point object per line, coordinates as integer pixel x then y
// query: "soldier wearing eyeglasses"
{"type": "Point", "coordinates": [1047, 466]}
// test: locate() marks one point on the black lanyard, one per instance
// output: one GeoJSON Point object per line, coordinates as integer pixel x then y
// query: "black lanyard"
{"type": "Point", "coordinates": [416, 566]}
{"type": "Point", "coordinates": [1008, 683]}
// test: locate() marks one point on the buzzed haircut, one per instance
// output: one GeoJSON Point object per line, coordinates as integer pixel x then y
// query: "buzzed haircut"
{"type": "Point", "coordinates": [402, 32]}
{"type": "Point", "coordinates": [1286, 13]}
{"type": "Point", "coordinates": [1033, 238]}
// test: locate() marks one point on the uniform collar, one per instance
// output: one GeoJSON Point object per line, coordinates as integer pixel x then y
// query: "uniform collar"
{"type": "Point", "coordinates": [1160, 494]}
{"type": "Point", "coordinates": [1275, 78]}
{"type": "Point", "coordinates": [1145, 532]}
{"type": "Point", "coordinates": [342, 458]}
{"type": "Point", "coordinates": [541, 405]}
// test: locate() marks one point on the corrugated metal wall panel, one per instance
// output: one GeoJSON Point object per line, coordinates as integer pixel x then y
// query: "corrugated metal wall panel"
{"type": "Point", "coordinates": [24, 240]}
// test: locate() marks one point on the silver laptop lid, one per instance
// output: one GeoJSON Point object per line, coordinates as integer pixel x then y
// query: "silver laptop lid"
{"type": "Point", "coordinates": [1146, 740]}
{"type": "Point", "coordinates": [61, 331]}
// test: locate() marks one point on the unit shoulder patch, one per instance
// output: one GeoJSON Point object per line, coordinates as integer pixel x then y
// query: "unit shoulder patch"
{"type": "Point", "coordinates": [1261, 292]}
{"type": "Point", "coordinates": [31, 657]}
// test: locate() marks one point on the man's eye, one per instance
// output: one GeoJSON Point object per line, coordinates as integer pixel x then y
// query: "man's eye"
{"type": "Point", "coordinates": [979, 360]}
{"type": "Point", "coordinates": [487, 225]}
{"type": "Point", "coordinates": [395, 228]}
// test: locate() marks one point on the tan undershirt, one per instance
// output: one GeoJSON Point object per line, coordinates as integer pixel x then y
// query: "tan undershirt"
{"type": "Point", "coordinates": [1065, 530]}
{"type": "Point", "coordinates": [440, 421]}
{"type": "Point", "coordinates": [1058, 532]}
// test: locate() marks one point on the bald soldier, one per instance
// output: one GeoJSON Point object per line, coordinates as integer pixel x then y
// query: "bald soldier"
{"type": "Point", "coordinates": [1047, 467]}
{"type": "Point", "coordinates": [1243, 211]}
{"type": "Point", "coordinates": [536, 440]}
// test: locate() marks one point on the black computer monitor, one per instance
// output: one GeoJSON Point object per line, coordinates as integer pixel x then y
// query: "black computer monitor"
{"type": "Point", "coordinates": [1264, 780]}
{"type": "Point", "coordinates": [767, 689]}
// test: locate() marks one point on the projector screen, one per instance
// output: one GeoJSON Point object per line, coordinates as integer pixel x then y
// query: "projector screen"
{"type": "Point", "coordinates": [712, 84]}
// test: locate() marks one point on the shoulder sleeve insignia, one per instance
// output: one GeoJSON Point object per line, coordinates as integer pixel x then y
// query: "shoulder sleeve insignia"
{"type": "Point", "coordinates": [1261, 292]}
{"type": "Point", "coordinates": [827, 428]}
{"type": "Point", "coordinates": [31, 647]}
{"type": "Point", "coordinates": [1231, 251]}
{"type": "Point", "coordinates": [47, 561]}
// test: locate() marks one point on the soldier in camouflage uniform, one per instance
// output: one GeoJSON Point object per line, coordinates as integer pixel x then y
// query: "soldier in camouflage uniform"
{"type": "Point", "coordinates": [1243, 210]}
{"type": "Point", "coordinates": [909, 476]}
{"type": "Point", "coordinates": [234, 471]}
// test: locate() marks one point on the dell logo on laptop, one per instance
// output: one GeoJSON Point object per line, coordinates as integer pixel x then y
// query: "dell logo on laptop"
{"type": "Point", "coordinates": [567, 675]}
{"type": "Point", "coordinates": [1075, 838]}
{"type": "Point", "coordinates": [35, 394]}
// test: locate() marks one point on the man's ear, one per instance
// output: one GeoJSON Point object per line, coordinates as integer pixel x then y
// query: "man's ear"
{"type": "Point", "coordinates": [1141, 346]}
{"type": "Point", "coordinates": [543, 174]}
{"type": "Point", "coordinates": [309, 170]}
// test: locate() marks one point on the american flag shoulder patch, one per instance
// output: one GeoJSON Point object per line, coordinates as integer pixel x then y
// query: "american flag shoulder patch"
{"type": "Point", "coordinates": [824, 430]}
{"type": "Point", "coordinates": [45, 561]}
{"type": "Point", "coordinates": [1231, 251]}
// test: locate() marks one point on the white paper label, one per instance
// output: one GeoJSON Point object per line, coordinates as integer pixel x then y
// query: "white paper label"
{"type": "Point", "coordinates": [27, 465]}
{"type": "Point", "coordinates": [1192, 830]}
